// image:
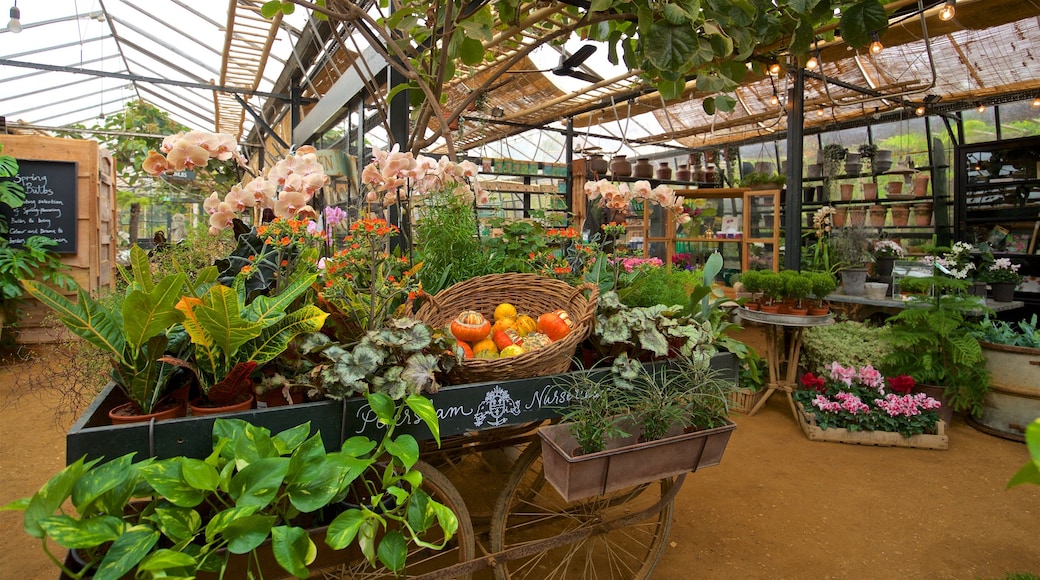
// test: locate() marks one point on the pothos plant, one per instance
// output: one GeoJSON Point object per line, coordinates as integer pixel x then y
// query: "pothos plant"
{"type": "Point", "coordinates": [666, 42]}
{"type": "Point", "coordinates": [179, 516]}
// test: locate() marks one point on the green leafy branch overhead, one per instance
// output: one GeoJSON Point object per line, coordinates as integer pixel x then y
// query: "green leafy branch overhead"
{"type": "Point", "coordinates": [667, 43]}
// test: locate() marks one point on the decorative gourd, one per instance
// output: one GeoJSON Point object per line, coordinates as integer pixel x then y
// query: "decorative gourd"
{"type": "Point", "coordinates": [485, 349]}
{"type": "Point", "coordinates": [502, 324]}
{"type": "Point", "coordinates": [551, 325]}
{"type": "Point", "coordinates": [525, 325]}
{"type": "Point", "coordinates": [515, 336]}
{"type": "Point", "coordinates": [535, 341]}
{"type": "Point", "coordinates": [470, 326]}
{"type": "Point", "coordinates": [467, 350]}
{"type": "Point", "coordinates": [505, 310]}
{"type": "Point", "coordinates": [501, 339]}
{"type": "Point", "coordinates": [511, 350]}
{"type": "Point", "coordinates": [566, 318]}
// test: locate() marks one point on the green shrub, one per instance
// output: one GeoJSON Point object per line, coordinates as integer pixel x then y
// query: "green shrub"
{"type": "Point", "coordinates": [847, 343]}
{"type": "Point", "coordinates": [663, 286]}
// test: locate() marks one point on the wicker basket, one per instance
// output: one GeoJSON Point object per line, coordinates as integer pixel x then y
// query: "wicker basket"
{"type": "Point", "coordinates": [531, 294]}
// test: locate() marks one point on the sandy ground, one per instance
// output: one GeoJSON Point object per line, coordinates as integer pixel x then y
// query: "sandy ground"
{"type": "Point", "coordinates": [779, 505]}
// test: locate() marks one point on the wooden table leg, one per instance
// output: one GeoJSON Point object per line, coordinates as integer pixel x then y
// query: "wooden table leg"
{"type": "Point", "coordinates": [774, 350]}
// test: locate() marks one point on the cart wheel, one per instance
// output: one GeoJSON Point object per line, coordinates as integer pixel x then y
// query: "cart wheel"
{"type": "Point", "coordinates": [420, 559]}
{"type": "Point", "coordinates": [529, 511]}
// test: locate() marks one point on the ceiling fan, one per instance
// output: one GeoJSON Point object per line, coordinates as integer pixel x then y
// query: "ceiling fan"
{"type": "Point", "coordinates": [569, 65]}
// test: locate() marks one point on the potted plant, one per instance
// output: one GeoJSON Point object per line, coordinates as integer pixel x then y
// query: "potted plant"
{"type": "Point", "coordinates": [886, 252]}
{"type": "Point", "coordinates": [932, 341]}
{"type": "Point", "coordinates": [179, 516]}
{"type": "Point", "coordinates": [850, 252]}
{"type": "Point", "coordinates": [799, 287]}
{"type": "Point", "coordinates": [752, 281]}
{"type": "Point", "coordinates": [773, 286]}
{"type": "Point", "coordinates": [1002, 277]}
{"type": "Point", "coordinates": [1012, 351]}
{"type": "Point", "coordinates": [136, 336]}
{"type": "Point", "coordinates": [33, 260]}
{"type": "Point", "coordinates": [823, 284]}
{"type": "Point", "coordinates": [231, 339]}
{"type": "Point", "coordinates": [867, 154]}
{"type": "Point", "coordinates": [656, 401]}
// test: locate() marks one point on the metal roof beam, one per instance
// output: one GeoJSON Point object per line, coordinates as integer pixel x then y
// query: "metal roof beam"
{"type": "Point", "coordinates": [43, 72]}
{"type": "Point", "coordinates": [58, 47]}
{"type": "Point", "coordinates": [139, 78]}
{"type": "Point", "coordinates": [163, 44]}
{"type": "Point", "coordinates": [87, 108]}
{"type": "Point", "coordinates": [331, 106]}
{"type": "Point", "coordinates": [191, 111]}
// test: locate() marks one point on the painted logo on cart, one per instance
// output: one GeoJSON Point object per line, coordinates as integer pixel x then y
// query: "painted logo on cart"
{"type": "Point", "coordinates": [495, 408]}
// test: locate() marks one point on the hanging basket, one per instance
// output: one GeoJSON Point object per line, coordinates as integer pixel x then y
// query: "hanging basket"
{"type": "Point", "coordinates": [530, 294]}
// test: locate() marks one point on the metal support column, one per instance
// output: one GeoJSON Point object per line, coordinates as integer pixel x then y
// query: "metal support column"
{"type": "Point", "coordinates": [793, 205]}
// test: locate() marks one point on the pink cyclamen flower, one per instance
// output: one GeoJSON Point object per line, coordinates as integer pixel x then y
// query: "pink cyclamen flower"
{"type": "Point", "coordinates": [841, 374]}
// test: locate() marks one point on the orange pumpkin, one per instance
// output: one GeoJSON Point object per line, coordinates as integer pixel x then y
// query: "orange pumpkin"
{"type": "Point", "coordinates": [525, 325]}
{"type": "Point", "coordinates": [470, 326]}
{"type": "Point", "coordinates": [550, 324]}
{"type": "Point", "coordinates": [505, 310]}
{"type": "Point", "coordinates": [501, 339]}
{"type": "Point", "coordinates": [515, 336]}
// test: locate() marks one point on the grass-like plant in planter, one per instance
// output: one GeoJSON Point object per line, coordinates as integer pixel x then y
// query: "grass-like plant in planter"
{"type": "Point", "coordinates": [179, 516]}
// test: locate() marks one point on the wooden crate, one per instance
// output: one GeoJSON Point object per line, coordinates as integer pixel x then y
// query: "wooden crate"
{"type": "Point", "coordinates": [743, 400]}
{"type": "Point", "coordinates": [876, 438]}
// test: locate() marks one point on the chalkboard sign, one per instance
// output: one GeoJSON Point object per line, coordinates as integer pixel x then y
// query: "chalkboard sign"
{"type": "Point", "coordinates": [50, 204]}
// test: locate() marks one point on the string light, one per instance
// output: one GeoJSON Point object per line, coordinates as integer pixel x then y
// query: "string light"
{"type": "Point", "coordinates": [948, 10]}
{"type": "Point", "coordinates": [775, 99]}
{"type": "Point", "coordinates": [875, 44]}
{"type": "Point", "coordinates": [920, 111]}
{"type": "Point", "coordinates": [819, 112]}
{"type": "Point", "coordinates": [814, 60]}
{"type": "Point", "coordinates": [1036, 102]}
{"type": "Point", "coordinates": [15, 24]}
{"type": "Point", "coordinates": [774, 68]}
{"type": "Point", "coordinates": [980, 108]}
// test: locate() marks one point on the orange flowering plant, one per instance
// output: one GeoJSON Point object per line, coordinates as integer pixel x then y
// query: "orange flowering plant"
{"type": "Point", "coordinates": [364, 283]}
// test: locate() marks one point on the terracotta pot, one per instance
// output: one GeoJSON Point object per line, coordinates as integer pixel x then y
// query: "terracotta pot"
{"type": "Point", "coordinates": [275, 398]}
{"type": "Point", "coordinates": [770, 308]}
{"type": "Point", "coordinates": [921, 186]}
{"type": "Point", "coordinates": [643, 168]}
{"type": "Point", "coordinates": [894, 187]}
{"type": "Point", "coordinates": [878, 213]}
{"type": "Point", "coordinates": [202, 407]}
{"type": "Point", "coordinates": [799, 311]}
{"type": "Point", "coordinates": [664, 172]}
{"type": "Point", "coordinates": [839, 217]}
{"type": "Point", "coordinates": [923, 214]}
{"type": "Point", "coordinates": [620, 166]}
{"type": "Point", "coordinates": [597, 164]}
{"type": "Point", "coordinates": [846, 191]}
{"type": "Point", "coordinates": [870, 191]}
{"type": "Point", "coordinates": [819, 311]}
{"type": "Point", "coordinates": [857, 216]}
{"type": "Point", "coordinates": [900, 215]}
{"type": "Point", "coordinates": [121, 415]}
{"type": "Point", "coordinates": [751, 305]}
{"type": "Point", "coordinates": [683, 173]}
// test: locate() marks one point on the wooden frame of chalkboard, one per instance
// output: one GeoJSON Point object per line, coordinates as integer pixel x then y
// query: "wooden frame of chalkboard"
{"type": "Point", "coordinates": [50, 207]}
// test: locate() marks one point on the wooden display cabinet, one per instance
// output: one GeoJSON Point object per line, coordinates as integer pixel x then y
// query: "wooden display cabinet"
{"type": "Point", "coordinates": [745, 229]}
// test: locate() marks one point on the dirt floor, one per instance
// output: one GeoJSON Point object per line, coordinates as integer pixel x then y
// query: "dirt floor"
{"type": "Point", "coordinates": [779, 505]}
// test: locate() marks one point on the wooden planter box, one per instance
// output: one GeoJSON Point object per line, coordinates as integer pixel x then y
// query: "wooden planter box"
{"type": "Point", "coordinates": [626, 463]}
{"type": "Point", "coordinates": [877, 438]}
{"type": "Point", "coordinates": [743, 400]}
{"type": "Point", "coordinates": [461, 409]}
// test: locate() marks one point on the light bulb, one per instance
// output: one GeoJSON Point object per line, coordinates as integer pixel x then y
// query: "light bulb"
{"type": "Point", "coordinates": [15, 24]}
{"type": "Point", "coordinates": [814, 60]}
{"type": "Point", "coordinates": [774, 100]}
{"type": "Point", "coordinates": [819, 112]}
{"type": "Point", "coordinates": [774, 68]}
{"type": "Point", "coordinates": [981, 108]}
{"type": "Point", "coordinates": [920, 111]}
{"type": "Point", "coordinates": [875, 43]}
{"type": "Point", "coordinates": [1036, 102]}
{"type": "Point", "coordinates": [948, 10]}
